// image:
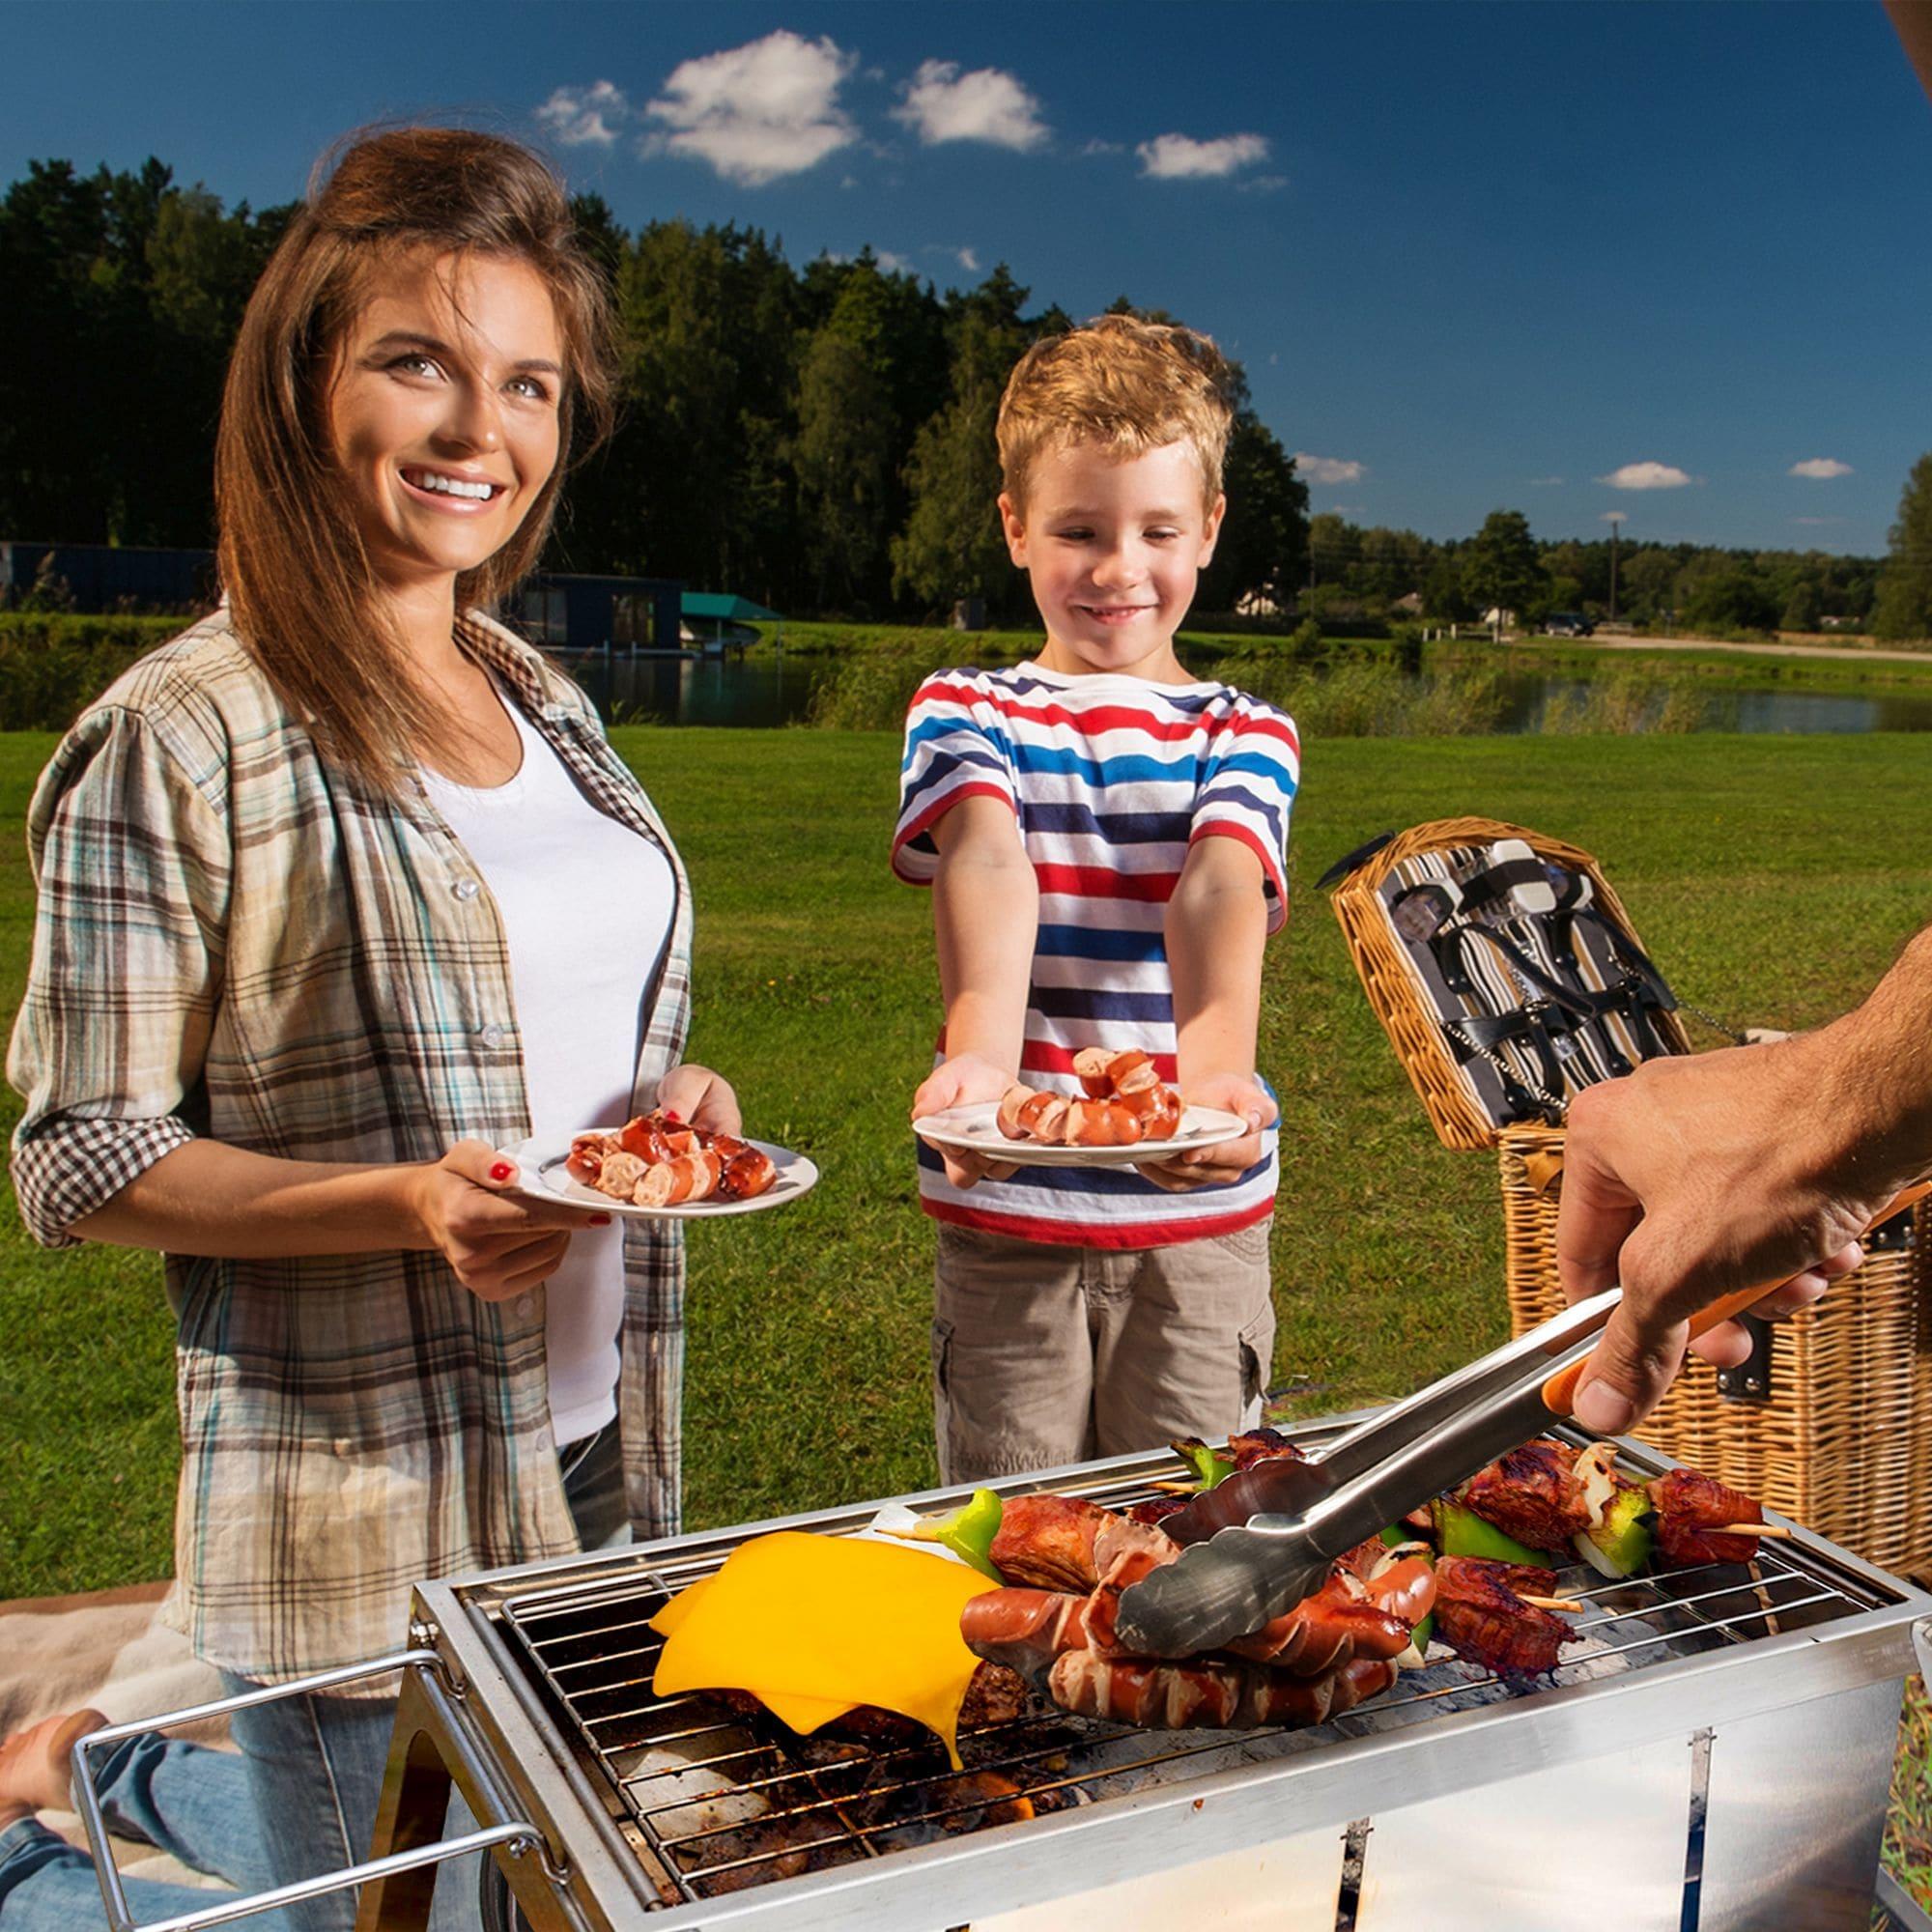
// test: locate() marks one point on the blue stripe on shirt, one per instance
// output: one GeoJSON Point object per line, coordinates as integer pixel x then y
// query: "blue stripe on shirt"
{"type": "Point", "coordinates": [1099, 942]}
{"type": "Point", "coordinates": [1089, 1003]}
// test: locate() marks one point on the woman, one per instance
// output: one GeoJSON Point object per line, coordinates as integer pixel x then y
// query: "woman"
{"type": "Point", "coordinates": [341, 891]}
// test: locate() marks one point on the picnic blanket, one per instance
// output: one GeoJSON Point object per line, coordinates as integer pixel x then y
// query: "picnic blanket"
{"type": "Point", "coordinates": [107, 1650]}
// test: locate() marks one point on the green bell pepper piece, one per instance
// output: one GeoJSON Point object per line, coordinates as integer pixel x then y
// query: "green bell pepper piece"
{"type": "Point", "coordinates": [1210, 1468]}
{"type": "Point", "coordinates": [1621, 1544]}
{"type": "Point", "coordinates": [1461, 1532]}
{"type": "Point", "coordinates": [968, 1532]}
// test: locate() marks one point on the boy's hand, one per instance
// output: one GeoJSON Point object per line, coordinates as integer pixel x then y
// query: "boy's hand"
{"type": "Point", "coordinates": [1227, 1161]}
{"type": "Point", "coordinates": [959, 1083]}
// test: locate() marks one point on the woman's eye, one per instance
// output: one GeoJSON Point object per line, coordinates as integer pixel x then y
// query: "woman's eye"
{"type": "Point", "coordinates": [534, 387]}
{"type": "Point", "coordinates": [415, 363]}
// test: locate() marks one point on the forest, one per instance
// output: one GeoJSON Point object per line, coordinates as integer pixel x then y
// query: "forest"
{"type": "Point", "coordinates": [816, 438]}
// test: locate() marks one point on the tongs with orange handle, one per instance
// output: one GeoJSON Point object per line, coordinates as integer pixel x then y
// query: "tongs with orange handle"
{"type": "Point", "coordinates": [1265, 1539]}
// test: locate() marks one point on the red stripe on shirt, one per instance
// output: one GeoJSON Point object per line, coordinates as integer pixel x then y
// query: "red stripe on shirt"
{"type": "Point", "coordinates": [1110, 1234]}
{"type": "Point", "coordinates": [1095, 882]}
{"type": "Point", "coordinates": [1115, 717]}
{"type": "Point", "coordinates": [1227, 828]}
{"type": "Point", "coordinates": [939, 808]}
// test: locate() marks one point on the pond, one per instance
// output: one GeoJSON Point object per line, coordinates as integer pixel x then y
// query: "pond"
{"type": "Point", "coordinates": [772, 691]}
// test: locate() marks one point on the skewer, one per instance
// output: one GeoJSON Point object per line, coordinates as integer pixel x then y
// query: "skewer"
{"type": "Point", "coordinates": [1550, 1602]}
{"type": "Point", "coordinates": [1178, 1488]}
{"type": "Point", "coordinates": [1750, 1529]}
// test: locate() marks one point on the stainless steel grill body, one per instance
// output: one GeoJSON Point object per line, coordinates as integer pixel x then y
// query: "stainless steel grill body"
{"type": "Point", "coordinates": [1716, 1757]}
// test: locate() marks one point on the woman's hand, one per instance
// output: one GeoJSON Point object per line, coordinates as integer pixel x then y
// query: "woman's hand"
{"type": "Point", "coordinates": [699, 1097]}
{"type": "Point", "coordinates": [1227, 1160]}
{"type": "Point", "coordinates": [500, 1245]}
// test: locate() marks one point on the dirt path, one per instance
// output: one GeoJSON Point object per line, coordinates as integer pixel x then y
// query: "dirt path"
{"type": "Point", "coordinates": [1860, 653]}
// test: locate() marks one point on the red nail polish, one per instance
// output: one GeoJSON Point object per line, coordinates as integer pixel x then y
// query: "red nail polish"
{"type": "Point", "coordinates": [600, 1220]}
{"type": "Point", "coordinates": [673, 1117]}
{"type": "Point", "coordinates": [501, 1170]}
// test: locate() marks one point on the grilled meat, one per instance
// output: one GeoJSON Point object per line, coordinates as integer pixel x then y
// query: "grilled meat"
{"type": "Point", "coordinates": [1531, 1494]}
{"type": "Point", "coordinates": [1689, 1506]}
{"type": "Point", "coordinates": [1219, 1693]}
{"type": "Point", "coordinates": [1061, 1543]}
{"type": "Point", "coordinates": [1261, 1445]}
{"type": "Point", "coordinates": [1479, 1616]}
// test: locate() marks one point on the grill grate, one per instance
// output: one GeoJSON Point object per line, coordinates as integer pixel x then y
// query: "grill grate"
{"type": "Point", "coordinates": [729, 1799]}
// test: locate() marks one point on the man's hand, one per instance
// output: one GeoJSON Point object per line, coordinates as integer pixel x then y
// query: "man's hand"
{"type": "Point", "coordinates": [1227, 1160]}
{"type": "Point", "coordinates": [959, 1082]}
{"type": "Point", "coordinates": [1689, 1179]}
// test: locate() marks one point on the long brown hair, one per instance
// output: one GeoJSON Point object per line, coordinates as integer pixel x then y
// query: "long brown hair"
{"type": "Point", "coordinates": [291, 559]}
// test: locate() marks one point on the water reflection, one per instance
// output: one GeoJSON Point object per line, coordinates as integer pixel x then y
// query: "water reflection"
{"type": "Point", "coordinates": [768, 691]}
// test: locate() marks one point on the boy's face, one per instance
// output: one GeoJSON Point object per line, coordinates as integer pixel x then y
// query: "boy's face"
{"type": "Point", "coordinates": [1113, 548]}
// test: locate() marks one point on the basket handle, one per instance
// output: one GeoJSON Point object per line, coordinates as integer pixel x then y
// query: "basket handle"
{"type": "Point", "coordinates": [1559, 1392]}
{"type": "Point", "coordinates": [221, 1911]}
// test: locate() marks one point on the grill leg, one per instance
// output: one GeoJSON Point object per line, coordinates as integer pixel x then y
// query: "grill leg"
{"type": "Point", "coordinates": [415, 1798]}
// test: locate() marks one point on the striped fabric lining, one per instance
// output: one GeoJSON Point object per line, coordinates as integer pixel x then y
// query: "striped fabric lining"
{"type": "Point", "coordinates": [1110, 780]}
{"type": "Point", "coordinates": [1591, 1050]}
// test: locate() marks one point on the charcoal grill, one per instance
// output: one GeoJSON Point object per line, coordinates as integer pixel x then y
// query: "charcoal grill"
{"type": "Point", "coordinates": [1716, 1753]}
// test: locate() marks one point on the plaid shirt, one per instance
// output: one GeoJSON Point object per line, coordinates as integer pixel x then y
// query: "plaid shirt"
{"type": "Point", "coordinates": [238, 941]}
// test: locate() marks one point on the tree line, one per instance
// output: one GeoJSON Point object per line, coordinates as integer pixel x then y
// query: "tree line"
{"type": "Point", "coordinates": [818, 438]}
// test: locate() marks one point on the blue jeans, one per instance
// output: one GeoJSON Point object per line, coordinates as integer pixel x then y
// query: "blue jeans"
{"type": "Point", "coordinates": [313, 1765]}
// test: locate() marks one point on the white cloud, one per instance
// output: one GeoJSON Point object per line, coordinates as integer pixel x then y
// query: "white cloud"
{"type": "Point", "coordinates": [759, 112]}
{"type": "Point", "coordinates": [1100, 147]}
{"type": "Point", "coordinates": [1647, 476]}
{"type": "Point", "coordinates": [1261, 184]}
{"type": "Point", "coordinates": [893, 262]}
{"type": "Point", "coordinates": [969, 260]}
{"type": "Point", "coordinates": [1329, 468]}
{"type": "Point", "coordinates": [1823, 468]}
{"type": "Point", "coordinates": [1546, 482]}
{"type": "Point", "coordinates": [580, 117]}
{"type": "Point", "coordinates": [1178, 157]}
{"type": "Point", "coordinates": [943, 105]}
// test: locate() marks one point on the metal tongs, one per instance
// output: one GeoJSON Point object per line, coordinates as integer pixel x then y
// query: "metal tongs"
{"type": "Point", "coordinates": [1263, 1540]}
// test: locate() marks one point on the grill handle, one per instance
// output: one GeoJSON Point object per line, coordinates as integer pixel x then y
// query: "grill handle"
{"type": "Point", "coordinates": [222, 1912]}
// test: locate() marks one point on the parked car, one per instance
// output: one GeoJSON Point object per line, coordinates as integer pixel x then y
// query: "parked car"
{"type": "Point", "coordinates": [1568, 624]}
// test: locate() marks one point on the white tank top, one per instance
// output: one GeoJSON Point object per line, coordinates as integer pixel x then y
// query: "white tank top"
{"type": "Point", "coordinates": [586, 906]}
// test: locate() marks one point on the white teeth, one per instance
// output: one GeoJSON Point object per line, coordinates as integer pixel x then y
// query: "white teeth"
{"type": "Point", "coordinates": [450, 486]}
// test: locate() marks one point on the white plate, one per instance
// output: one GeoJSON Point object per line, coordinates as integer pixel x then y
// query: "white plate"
{"type": "Point", "coordinates": [541, 1172]}
{"type": "Point", "coordinates": [975, 1129]}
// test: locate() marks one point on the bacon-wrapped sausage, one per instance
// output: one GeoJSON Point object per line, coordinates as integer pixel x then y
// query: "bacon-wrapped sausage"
{"type": "Point", "coordinates": [1122, 1101]}
{"type": "Point", "coordinates": [1214, 1692]}
{"type": "Point", "coordinates": [685, 1177]}
{"type": "Point", "coordinates": [619, 1174]}
{"type": "Point", "coordinates": [1064, 1543]}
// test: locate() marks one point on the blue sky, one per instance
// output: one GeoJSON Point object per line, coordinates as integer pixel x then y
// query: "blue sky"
{"type": "Point", "coordinates": [1472, 255]}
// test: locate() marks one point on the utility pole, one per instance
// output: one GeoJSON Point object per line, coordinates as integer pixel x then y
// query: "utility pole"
{"type": "Point", "coordinates": [1615, 520]}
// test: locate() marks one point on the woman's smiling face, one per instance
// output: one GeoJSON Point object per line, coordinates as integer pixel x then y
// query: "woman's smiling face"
{"type": "Point", "coordinates": [443, 409]}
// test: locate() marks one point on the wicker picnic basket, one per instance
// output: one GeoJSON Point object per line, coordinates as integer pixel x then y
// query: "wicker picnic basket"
{"type": "Point", "coordinates": [1831, 1421]}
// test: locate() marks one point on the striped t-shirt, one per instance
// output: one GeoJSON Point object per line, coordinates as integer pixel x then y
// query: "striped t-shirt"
{"type": "Point", "coordinates": [1111, 780]}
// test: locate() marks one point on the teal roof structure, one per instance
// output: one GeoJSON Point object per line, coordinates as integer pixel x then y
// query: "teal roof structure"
{"type": "Point", "coordinates": [728, 609]}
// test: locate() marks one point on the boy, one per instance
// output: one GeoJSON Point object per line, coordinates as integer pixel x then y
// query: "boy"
{"type": "Point", "coordinates": [1105, 840]}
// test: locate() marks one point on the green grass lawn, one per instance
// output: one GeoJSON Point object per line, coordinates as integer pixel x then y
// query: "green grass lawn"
{"type": "Point", "coordinates": [1773, 877]}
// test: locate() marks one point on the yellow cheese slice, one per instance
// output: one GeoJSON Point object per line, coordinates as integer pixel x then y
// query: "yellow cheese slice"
{"type": "Point", "coordinates": [812, 1626]}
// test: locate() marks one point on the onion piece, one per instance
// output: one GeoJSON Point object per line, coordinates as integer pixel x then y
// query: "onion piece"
{"type": "Point", "coordinates": [1596, 1479]}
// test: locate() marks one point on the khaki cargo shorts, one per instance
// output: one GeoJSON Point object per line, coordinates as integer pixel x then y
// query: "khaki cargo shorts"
{"type": "Point", "coordinates": [1044, 1354]}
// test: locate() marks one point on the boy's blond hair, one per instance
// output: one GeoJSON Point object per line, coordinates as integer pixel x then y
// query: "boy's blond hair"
{"type": "Point", "coordinates": [1126, 385]}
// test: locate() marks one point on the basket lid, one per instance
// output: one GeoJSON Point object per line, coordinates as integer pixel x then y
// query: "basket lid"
{"type": "Point", "coordinates": [1504, 969]}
